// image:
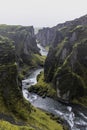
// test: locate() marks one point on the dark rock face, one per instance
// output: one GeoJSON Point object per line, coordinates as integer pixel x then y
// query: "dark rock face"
{"type": "Point", "coordinates": [9, 83]}
{"type": "Point", "coordinates": [46, 36]}
{"type": "Point", "coordinates": [58, 38]}
{"type": "Point", "coordinates": [24, 41]}
{"type": "Point", "coordinates": [8, 55]}
{"type": "Point", "coordinates": [11, 98]}
{"type": "Point", "coordinates": [66, 63]}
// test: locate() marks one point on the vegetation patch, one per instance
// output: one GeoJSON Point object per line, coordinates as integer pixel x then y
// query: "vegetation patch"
{"type": "Point", "coordinates": [42, 88]}
{"type": "Point", "coordinates": [36, 120]}
{"type": "Point", "coordinates": [38, 60]}
{"type": "Point", "coordinates": [82, 101]}
{"type": "Point", "coordinates": [4, 125]}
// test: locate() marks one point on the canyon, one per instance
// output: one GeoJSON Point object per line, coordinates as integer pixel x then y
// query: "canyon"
{"type": "Point", "coordinates": [23, 55]}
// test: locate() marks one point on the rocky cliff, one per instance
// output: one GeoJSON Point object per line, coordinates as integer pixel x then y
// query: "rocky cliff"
{"type": "Point", "coordinates": [46, 36]}
{"type": "Point", "coordinates": [66, 63]}
{"type": "Point", "coordinates": [24, 41]}
{"type": "Point", "coordinates": [10, 92]}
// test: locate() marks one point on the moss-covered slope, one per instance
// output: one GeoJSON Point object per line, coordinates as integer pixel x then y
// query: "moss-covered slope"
{"type": "Point", "coordinates": [66, 64]}
{"type": "Point", "coordinates": [10, 90]}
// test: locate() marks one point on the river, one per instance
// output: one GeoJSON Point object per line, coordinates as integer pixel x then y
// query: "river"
{"type": "Point", "coordinates": [75, 116]}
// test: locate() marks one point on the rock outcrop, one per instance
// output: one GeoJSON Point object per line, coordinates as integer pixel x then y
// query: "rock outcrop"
{"type": "Point", "coordinates": [10, 90]}
{"type": "Point", "coordinates": [24, 41]}
{"type": "Point", "coordinates": [66, 63]}
{"type": "Point", "coordinates": [45, 36]}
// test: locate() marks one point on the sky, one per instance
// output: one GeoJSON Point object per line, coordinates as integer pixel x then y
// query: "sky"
{"type": "Point", "coordinates": [40, 13]}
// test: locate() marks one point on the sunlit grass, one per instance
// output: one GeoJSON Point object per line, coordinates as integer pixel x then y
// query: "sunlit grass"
{"type": "Point", "coordinates": [37, 120]}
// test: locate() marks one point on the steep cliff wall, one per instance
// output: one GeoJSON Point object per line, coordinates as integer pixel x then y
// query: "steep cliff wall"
{"type": "Point", "coordinates": [45, 36]}
{"type": "Point", "coordinates": [11, 99]}
{"type": "Point", "coordinates": [66, 63]}
{"type": "Point", "coordinates": [24, 41]}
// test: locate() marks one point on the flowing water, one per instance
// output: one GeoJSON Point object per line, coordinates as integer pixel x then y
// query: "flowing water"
{"type": "Point", "coordinates": [75, 116]}
{"type": "Point", "coordinates": [43, 51]}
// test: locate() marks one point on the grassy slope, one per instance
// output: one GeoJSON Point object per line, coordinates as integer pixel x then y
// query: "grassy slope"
{"type": "Point", "coordinates": [38, 60]}
{"type": "Point", "coordinates": [37, 120]}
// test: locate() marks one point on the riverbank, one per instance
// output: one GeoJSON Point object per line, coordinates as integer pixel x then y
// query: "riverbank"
{"type": "Point", "coordinates": [42, 88]}
{"type": "Point", "coordinates": [57, 119]}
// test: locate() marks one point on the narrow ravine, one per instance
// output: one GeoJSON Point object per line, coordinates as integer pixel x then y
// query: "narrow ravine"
{"type": "Point", "coordinates": [75, 116]}
{"type": "Point", "coordinates": [43, 51]}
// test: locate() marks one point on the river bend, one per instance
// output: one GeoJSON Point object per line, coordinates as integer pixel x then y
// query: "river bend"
{"type": "Point", "coordinates": [75, 116]}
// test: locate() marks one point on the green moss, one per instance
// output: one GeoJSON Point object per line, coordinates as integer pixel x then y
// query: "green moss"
{"type": "Point", "coordinates": [38, 60]}
{"type": "Point", "coordinates": [60, 47]}
{"type": "Point", "coordinates": [10, 93]}
{"type": "Point", "coordinates": [82, 101]}
{"type": "Point", "coordinates": [79, 27]}
{"type": "Point", "coordinates": [72, 75]}
{"type": "Point", "coordinates": [21, 76]}
{"type": "Point", "coordinates": [66, 62]}
{"type": "Point", "coordinates": [47, 48]}
{"type": "Point", "coordinates": [4, 125]}
{"type": "Point", "coordinates": [24, 70]}
{"type": "Point", "coordinates": [44, 121]}
{"type": "Point", "coordinates": [37, 120]}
